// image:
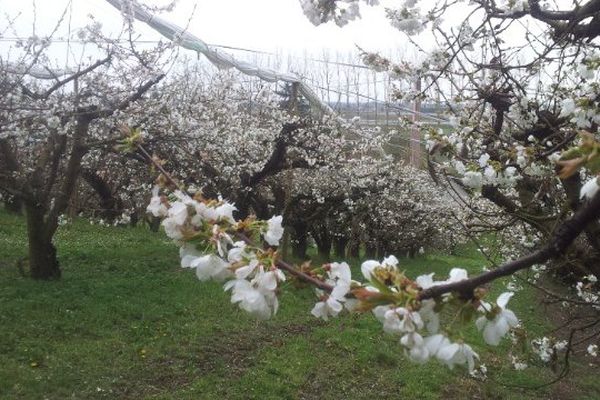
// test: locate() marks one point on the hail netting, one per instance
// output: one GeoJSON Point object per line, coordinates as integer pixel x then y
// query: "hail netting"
{"type": "Point", "coordinates": [218, 58]}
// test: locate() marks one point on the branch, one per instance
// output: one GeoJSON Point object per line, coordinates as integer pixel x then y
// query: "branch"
{"type": "Point", "coordinates": [562, 238]}
{"type": "Point", "coordinates": [125, 103]}
{"type": "Point", "coordinates": [291, 269]}
{"type": "Point", "coordinates": [63, 82]}
{"type": "Point", "coordinates": [281, 264]}
{"type": "Point", "coordinates": [275, 163]}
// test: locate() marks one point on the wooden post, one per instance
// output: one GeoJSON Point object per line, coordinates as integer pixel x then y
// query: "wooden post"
{"type": "Point", "coordinates": [415, 134]}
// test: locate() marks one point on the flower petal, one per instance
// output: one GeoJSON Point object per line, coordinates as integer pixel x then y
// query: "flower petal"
{"type": "Point", "coordinates": [503, 299]}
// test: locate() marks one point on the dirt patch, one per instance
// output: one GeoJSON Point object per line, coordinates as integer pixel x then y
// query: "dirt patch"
{"type": "Point", "coordinates": [237, 352]}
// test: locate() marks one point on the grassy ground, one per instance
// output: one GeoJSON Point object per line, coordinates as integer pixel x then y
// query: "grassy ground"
{"type": "Point", "coordinates": [126, 322]}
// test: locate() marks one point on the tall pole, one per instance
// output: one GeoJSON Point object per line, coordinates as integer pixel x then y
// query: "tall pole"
{"type": "Point", "coordinates": [415, 134]}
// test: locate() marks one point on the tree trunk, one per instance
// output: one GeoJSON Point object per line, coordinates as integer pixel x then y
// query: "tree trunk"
{"type": "Point", "coordinates": [324, 242]}
{"type": "Point", "coordinates": [370, 250]}
{"type": "Point", "coordinates": [381, 253]}
{"type": "Point", "coordinates": [153, 223]}
{"type": "Point", "coordinates": [299, 241]}
{"type": "Point", "coordinates": [9, 163]}
{"type": "Point", "coordinates": [135, 218]}
{"type": "Point", "coordinates": [339, 246]}
{"type": "Point", "coordinates": [354, 249]}
{"type": "Point", "coordinates": [43, 263]}
{"type": "Point", "coordinates": [111, 206]}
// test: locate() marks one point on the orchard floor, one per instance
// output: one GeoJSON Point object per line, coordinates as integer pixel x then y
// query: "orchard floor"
{"type": "Point", "coordinates": [125, 322]}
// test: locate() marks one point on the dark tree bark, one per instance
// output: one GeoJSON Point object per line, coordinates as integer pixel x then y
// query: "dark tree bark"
{"type": "Point", "coordinates": [43, 263]}
{"type": "Point", "coordinates": [370, 250]}
{"type": "Point", "coordinates": [339, 246]}
{"type": "Point", "coordinates": [299, 240]}
{"type": "Point", "coordinates": [13, 204]}
{"type": "Point", "coordinates": [153, 223]}
{"type": "Point", "coordinates": [323, 240]}
{"type": "Point", "coordinates": [111, 207]}
{"type": "Point", "coordinates": [354, 249]}
{"type": "Point", "coordinates": [275, 164]}
{"type": "Point", "coordinates": [9, 162]}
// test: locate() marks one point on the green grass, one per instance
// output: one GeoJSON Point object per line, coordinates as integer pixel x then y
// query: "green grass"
{"type": "Point", "coordinates": [126, 322]}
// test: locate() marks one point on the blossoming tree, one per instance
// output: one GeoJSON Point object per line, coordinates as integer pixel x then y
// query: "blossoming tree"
{"type": "Point", "coordinates": [519, 83]}
{"type": "Point", "coordinates": [490, 151]}
{"type": "Point", "coordinates": [51, 119]}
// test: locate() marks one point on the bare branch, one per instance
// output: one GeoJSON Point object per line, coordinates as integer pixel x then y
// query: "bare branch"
{"type": "Point", "coordinates": [559, 242]}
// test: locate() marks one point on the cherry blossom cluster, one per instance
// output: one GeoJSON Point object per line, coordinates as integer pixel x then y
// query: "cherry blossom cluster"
{"type": "Point", "coordinates": [221, 248]}
{"type": "Point", "coordinates": [205, 231]}
{"type": "Point", "coordinates": [342, 12]}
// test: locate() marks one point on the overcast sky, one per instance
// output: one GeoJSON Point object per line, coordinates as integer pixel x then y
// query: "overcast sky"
{"type": "Point", "coordinates": [267, 25]}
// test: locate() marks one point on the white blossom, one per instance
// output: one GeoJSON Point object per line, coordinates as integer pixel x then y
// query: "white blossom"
{"type": "Point", "coordinates": [590, 189]}
{"type": "Point", "coordinates": [499, 324]}
{"type": "Point", "coordinates": [457, 354]}
{"type": "Point", "coordinates": [210, 267]}
{"type": "Point", "coordinates": [473, 179]}
{"type": "Point", "coordinates": [274, 231]}
{"type": "Point", "coordinates": [156, 206]}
